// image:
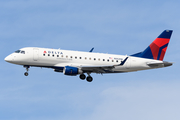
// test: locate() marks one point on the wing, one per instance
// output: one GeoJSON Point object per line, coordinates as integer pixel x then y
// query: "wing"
{"type": "Point", "coordinates": [90, 68]}
{"type": "Point", "coordinates": [102, 68]}
{"type": "Point", "coordinates": [97, 69]}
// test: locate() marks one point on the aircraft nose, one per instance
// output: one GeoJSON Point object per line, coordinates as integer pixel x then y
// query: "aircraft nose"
{"type": "Point", "coordinates": [8, 58]}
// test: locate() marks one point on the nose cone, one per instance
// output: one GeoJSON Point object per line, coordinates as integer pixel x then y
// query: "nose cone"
{"type": "Point", "coordinates": [8, 58]}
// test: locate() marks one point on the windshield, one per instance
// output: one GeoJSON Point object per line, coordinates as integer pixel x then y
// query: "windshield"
{"type": "Point", "coordinates": [23, 52]}
{"type": "Point", "coordinates": [17, 51]}
{"type": "Point", "coordinates": [20, 51]}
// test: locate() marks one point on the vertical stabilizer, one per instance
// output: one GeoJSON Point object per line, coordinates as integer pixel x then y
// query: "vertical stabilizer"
{"type": "Point", "coordinates": [157, 49]}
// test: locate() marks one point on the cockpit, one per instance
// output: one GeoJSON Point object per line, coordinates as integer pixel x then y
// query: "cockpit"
{"type": "Point", "coordinates": [20, 51]}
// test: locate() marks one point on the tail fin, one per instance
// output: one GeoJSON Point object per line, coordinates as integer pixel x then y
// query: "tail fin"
{"type": "Point", "coordinates": [157, 49]}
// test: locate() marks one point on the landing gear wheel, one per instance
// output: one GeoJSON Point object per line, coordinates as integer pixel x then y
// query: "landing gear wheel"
{"type": "Point", "coordinates": [27, 69]}
{"type": "Point", "coordinates": [26, 73]}
{"type": "Point", "coordinates": [89, 79]}
{"type": "Point", "coordinates": [82, 77]}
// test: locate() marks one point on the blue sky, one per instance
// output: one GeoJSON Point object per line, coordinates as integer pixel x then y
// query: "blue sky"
{"type": "Point", "coordinates": [116, 27]}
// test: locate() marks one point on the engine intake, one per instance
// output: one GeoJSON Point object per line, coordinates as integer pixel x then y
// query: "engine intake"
{"type": "Point", "coordinates": [71, 71]}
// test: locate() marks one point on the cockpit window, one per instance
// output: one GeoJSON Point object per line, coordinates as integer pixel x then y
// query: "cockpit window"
{"type": "Point", "coordinates": [17, 51]}
{"type": "Point", "coordinates": [20, 51]}
{"type": "Point", "coordinates": [23, 52]}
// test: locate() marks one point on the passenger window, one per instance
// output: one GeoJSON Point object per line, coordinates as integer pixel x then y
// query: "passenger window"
{"type": "Point", "coordinates": [85, 58]}
{"type": "Point", "coordinates": [108, 60]}
{"type": "Point", "coordinates": [116, 60]}
{"type": "Point", "coordinates": [89, 58]}
{"type": "Point", "coordinates": [48, 54]}
{"type": "Point", "coordinates": [57, 55]}
{"type": "Point", "coordinates": [112, 60]}
{"type": "Point", "coordinates": [43, 54]}
{"type": "Point", "coordinates": [103, 59]}
{"type": "Point", "coordinates": [71, 57]}
{"type": "Point", "coordinates": [75, 57]}
{"type": "Point", "coordinates": [53, 55]}
{"type": "Point", "coordinates": [61, 55]}
{"type": "Point", "coordinates": [79, 57]}
{"type": "Point", "coordinates": [99, 59]}
{"type": "Point", "coordinates": [66, 56]}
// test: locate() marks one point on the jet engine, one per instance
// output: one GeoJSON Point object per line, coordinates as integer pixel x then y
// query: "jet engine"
{"type": "Point", "coordinates": [72, 71]}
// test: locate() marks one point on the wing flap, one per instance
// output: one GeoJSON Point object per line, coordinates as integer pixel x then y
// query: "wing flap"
{"type": "Point", "coordinates": [97, 69]}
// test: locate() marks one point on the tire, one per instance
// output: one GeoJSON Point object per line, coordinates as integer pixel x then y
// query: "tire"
{"type": "Point", "coordinates": [89, 79]}
{"type": "Point", "coordinates": [82, 77]}
{"type": "Point", "coordinates": [26, 73]}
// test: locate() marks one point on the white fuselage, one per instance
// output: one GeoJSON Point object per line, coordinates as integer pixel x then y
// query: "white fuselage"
{"type": "Point", "coordinates": [77, 63]}
{"type": "Point", "coordinates": [52, 58]}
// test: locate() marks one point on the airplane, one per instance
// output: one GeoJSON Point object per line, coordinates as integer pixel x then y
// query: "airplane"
{"type": "Point", "coordinates": [74, 63]}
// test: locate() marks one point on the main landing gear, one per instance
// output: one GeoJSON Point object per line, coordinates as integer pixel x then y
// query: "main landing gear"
{"type": "Point", "coordinates": [27, 69]}
{"type": "Point", "coordinates": [89, 78]}
{"type": "Point", "coordinates": [82, 76]}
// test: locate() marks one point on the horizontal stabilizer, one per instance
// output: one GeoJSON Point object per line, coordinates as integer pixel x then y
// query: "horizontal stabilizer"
{"type": "Point", "coordinates": [162, 64]}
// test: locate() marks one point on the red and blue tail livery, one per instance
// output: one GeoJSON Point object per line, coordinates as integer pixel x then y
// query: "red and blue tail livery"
{"type": "Point", "coordinates": [157, 49]}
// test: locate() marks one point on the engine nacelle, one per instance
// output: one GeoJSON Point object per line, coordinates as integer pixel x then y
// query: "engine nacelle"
{"type": "Point", "coordinates": [68, 70]}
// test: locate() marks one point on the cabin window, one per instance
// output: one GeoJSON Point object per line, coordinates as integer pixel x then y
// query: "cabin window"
{"type": "Point", "coordinates": [108, 60]}
{"type": "Point", "coordinates": [85, 58]}
{"type": "Point", "coordinates": [75, 57]}
{"type": "Point", "coordinates": [103, 59]}
{"type": "Point", "coordinates": [71, 57]}
{"type": "Point", "coordinates": [61, 55]}
{"type": "Point", "coordinates": [79, 57]}
{"type": "Point", "coordinates": [116, 60]}
{"type": "Point", "coordinates": [66, 56]}
{"type": "Point", "coordinates": [48, 54]}
{"type": "Point", "coordinates": [53, 55]}
{"type": "Point", "coordinates": [112, 60]}
{"type": "Point", "coordinates": [44, 54]}
{"type": "Point", "coordinates": [99, 59]}
{"type": "Point", "coordinates": [57, 55]}
{"type": "Point", "coordinates": [94, 58]}
{"type": "Point", "coordinates": [89, 58]}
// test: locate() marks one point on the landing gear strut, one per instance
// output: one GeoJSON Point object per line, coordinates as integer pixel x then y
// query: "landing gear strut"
{"type": "Point", "coordinates": [27, 69]}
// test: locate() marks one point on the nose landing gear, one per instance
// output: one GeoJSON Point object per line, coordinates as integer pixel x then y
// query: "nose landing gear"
{"type": "Point", "coordinates": [27, 69]}
{"type": "Point", "coordinates": [26, 73]}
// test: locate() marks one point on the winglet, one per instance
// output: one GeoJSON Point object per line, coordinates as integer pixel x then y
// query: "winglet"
{"type": "Point", "coordinates": [91, 49]}
{"type": "Point", "coordinates": [122, 63]}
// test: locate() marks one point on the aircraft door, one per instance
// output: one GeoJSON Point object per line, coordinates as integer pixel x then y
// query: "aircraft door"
{"type": "Point", "coordinates": [35, 54]}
